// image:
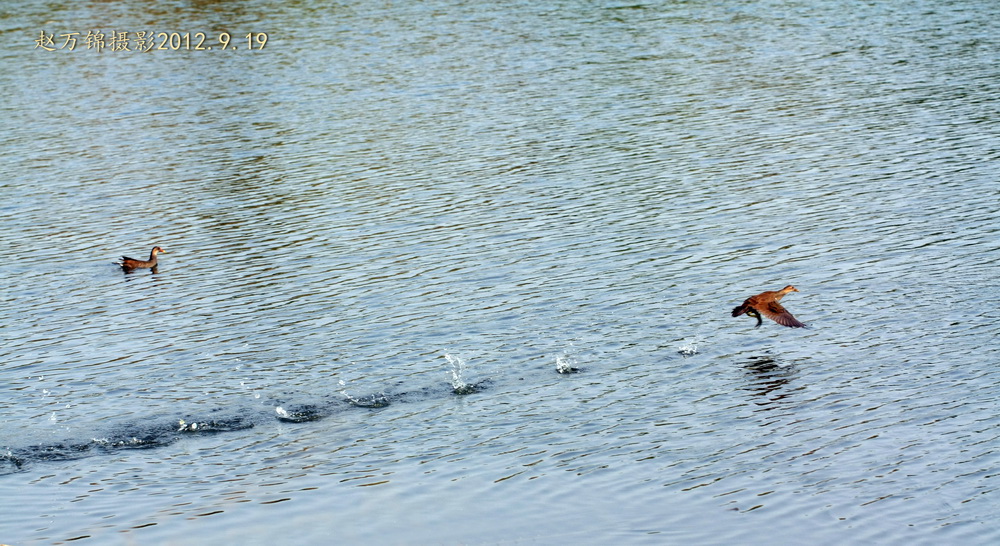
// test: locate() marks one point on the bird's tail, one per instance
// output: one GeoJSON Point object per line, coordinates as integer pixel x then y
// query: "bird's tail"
{"type": "Point", "coordinates": [739, 310]}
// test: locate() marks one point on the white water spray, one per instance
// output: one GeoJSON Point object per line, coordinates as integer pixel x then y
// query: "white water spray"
{"type": "Point", "coordinates": [457, 371]}
{"type": "Point", "coordinates": [688, 348]}
{"type": "Point", "coordinates": [566, 364]}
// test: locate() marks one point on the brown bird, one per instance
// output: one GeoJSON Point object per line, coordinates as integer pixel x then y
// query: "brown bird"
{"type": "Point", "coordinates": [766, 303]}
{"type": "Point", "coordinates": [130, 264]}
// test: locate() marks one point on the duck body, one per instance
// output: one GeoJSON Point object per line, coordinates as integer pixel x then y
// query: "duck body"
{"type": "Point", "coordinates": [130, 264]}
{"type": "Point", "coordinates": [766, 304]}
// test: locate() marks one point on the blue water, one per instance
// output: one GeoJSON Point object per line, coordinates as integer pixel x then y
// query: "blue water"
{"type": "Point", "coordinates": [390, 229]}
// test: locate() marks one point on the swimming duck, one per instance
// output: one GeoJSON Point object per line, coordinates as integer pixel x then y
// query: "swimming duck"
{"type": "Point", "coordinates": [129, 264]}
{"type": "Point", "coordinates": [766, 303]}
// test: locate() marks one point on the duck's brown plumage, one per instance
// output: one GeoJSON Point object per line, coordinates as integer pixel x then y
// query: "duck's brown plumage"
{"type": "Point", "coordinates": [766, 303]}
{"type": "Point", "coordinates": [129, 264]}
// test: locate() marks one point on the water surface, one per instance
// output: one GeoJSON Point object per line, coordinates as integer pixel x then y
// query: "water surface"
{"type": "Point", "coordinates": [389, 228]}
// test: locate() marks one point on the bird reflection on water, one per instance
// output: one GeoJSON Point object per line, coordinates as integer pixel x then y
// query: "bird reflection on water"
{"type": "Point", "coordinates": [768, 376]}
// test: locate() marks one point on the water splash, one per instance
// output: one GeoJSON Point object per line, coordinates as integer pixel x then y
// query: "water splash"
{"type": "Point", "coordinates": [343, 391]}
{"type": "Point", "coordinates": [226, 424]}
{"type": "Point", "coordinates": [565, 364]}
{"type": "Point", "coordinates": [458, 383]}
{"type": "Point", "coordinates": [688, 348]}
{"type": "Point", "coordinates": [300, 414]}
{"type": "Point", "coordinates": [457, 370]}
{"type": "Point", "coordinates": [118, 442]}
{"type": "Point", "coordinates": [376, 400]}
{"type": "Point", "coordinates": [252, 391]}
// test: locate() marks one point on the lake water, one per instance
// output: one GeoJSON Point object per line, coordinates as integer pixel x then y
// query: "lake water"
{"type": "Point", "coordinates": [390, 227]}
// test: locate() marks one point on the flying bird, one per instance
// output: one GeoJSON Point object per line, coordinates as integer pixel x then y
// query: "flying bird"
{"type": "Point", "coordinates": [766, 303]}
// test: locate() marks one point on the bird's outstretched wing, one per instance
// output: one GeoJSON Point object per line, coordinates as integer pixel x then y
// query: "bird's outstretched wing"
{"type": "Point", "coordinates": [779, 314]}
